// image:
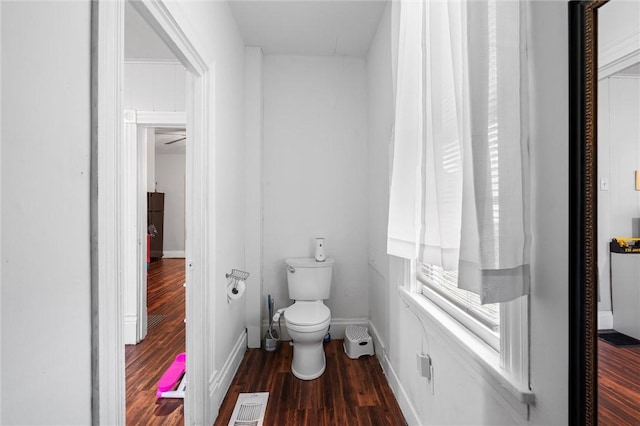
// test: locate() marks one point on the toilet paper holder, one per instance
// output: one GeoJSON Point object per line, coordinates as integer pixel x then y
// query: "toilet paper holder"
{"type": "Point", "coordinates": [237, 275]}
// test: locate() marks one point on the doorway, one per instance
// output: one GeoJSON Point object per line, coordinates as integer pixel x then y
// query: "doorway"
{"type": "Point", "coordinates": [155, 148]}
{"type": "Point", "coordinates": [147, 135]}
{"type": "Point", "coordinates": [112, 234]}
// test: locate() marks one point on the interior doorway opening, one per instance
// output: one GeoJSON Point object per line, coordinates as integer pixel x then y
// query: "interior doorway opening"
{"type": "Point", "coordinates": [115, 250]}
{"type": "Point", "coordinates": [155, 144]}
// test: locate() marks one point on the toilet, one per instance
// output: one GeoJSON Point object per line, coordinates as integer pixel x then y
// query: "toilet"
{"type": "Point", "coordinates": [308, 319]}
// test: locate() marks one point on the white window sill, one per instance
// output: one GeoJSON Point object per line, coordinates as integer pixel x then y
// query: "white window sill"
{"type": "Point", "coordinates": [478, 355]}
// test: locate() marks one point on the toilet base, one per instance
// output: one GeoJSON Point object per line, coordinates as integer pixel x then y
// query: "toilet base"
{"type": "Point", "coordinates": [309, 361]}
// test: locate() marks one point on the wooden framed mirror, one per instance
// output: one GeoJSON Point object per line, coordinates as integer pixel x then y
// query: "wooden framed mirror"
{"type": "Point", "coordinates": [583, 327]}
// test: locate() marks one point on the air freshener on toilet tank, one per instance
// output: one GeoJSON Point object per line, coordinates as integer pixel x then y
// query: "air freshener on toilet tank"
{"type": "Point", "coordinates": [320, 257]}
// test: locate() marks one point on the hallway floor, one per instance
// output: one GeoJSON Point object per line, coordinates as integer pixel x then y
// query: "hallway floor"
{"type": "Point", "coordinates": [148, 360]}
{"type": "Point", "coordinates": [618, 384]}
{"type": "Point", "coordinates": [350, 392]}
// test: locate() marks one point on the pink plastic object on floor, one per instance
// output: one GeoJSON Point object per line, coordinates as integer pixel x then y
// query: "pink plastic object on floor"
{"type": "Point", "coordinates": [170, 377]}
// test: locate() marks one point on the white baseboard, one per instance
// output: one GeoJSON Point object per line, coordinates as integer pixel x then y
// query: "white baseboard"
{"type": "Point", "coordinates": [409, 412]}
{"type": "Point", "coordinates": [337, 327]}
{"type": "Point", "coordinates": [130, 329]}
{"type": "Point", "coordinates": [378, 346]}
{"type": "Point", "coordinates": [220, 380]}
{"type": "Point", "coordinates": [605, 320]}
{"type": "Point", "coordinates": [173, 254]}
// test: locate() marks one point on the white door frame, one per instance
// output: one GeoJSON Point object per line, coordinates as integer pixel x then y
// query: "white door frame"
{"type": "Point", "coordinates": [108, 196]}
{"type": "Point", "coordinates": [135, 176]}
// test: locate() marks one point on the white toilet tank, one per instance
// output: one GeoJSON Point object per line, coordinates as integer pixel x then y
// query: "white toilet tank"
{"type": "Point", "coordinates": [309, 279]}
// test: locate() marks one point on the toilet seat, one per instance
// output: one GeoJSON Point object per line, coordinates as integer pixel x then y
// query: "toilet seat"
{"type": "Point", "coordinates": [307, 316]}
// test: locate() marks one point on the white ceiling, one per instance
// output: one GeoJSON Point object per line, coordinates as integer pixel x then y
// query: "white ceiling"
{"type": "Point", "coordinates": [164, 135]}
{"type": "Point", "coordinates": [280, 27]}
{"type": "Point", "coordinates": [308, 27]}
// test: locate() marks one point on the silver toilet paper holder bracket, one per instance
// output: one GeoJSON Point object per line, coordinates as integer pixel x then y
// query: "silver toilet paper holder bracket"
{"type": "Point", "coordinates": [237, 275]}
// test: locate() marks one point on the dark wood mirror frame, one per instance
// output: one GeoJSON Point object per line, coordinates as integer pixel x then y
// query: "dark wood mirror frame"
{"type": "Point", "coordinates": [583, 261]}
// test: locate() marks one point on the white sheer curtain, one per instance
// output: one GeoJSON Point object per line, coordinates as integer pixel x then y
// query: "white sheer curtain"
{"type": "Point", "coordinates": [458, 194]}
{"type": "Point", "coordinates": [405, 198]}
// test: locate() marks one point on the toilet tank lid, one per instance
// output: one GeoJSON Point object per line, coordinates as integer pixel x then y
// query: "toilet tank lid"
{"type": "Point", "coordinates": [308, 262]}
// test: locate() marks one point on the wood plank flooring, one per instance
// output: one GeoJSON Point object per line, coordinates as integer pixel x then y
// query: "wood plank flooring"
{"type": "Point", "coordinates": [618, 384]}
{"type": "Point", "coordinates": [350, 392]}
{"type": "Point", "coordinates": [147, 361]}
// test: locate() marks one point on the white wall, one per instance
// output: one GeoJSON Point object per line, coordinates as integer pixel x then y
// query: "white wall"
{"type": "Point", "coordinates": [253, 196]}
{"type": "Point", "coordinates": [379, 145]}
{"type": "Point", "coordinates": [213, 31]}
{"type": "Point", "coordinates": [617, 21]}
{"type": "Point", "coordinates": [46, 306]}
{"type": "Point", "coordinates": [315, 174]}
{"type": "Point", "coordinates": [154, 86]}
{"type": "Point", "coordinates": [549, 132]}
{"type": "Point", "coordinates": [150, 145]}
{"type": "Point", "coordinates": [618, 159]}
{"type": "Point", "coordinates": [457, 395]}
{"type": "Point", "coordinates": [45, 295]}
{"type": "Point", "coordinates": [618, 34]}
{"type": "Point", "coordinates": [170, 175]}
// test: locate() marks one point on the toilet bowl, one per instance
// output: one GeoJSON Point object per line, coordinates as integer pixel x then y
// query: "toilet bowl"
{"type": "Point", "coordinates": [308, 319]}
{"type": "Point", "coordinates": [307, 324]}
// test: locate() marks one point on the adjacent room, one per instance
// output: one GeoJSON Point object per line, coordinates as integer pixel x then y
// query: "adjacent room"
{"type": "Point", "coordinates": [618, 211]}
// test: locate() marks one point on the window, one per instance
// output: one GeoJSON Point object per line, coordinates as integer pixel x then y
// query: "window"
{"type": "Point", "coordinates": [501, 355]}
{"type": "Point", "coordinates": [503, 329]}
{"type": "Point", "coordinates": [458, 208]}
{"type": "Point", "coordinates": [441, 287]}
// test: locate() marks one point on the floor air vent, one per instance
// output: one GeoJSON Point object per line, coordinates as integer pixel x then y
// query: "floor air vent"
{"type": "Point", "coordinates": [249, 409]}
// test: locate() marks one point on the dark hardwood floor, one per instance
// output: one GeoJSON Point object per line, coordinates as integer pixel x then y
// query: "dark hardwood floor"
{"type": "Point", "coordinates": [618, 384]}
{"type": "Point", "coordinates": [350, 392]}
{"type": "Point", "coordinates": [148, 360]}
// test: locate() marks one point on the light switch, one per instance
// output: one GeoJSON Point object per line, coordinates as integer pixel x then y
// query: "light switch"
{"type": "Point", "coordinates": [637, 180]}
{"type": "Point", "coordinates": [604, 184]}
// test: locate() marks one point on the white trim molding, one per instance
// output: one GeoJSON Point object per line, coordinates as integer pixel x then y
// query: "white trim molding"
{"type": "Point", "coordinates": [407, 408]}
{"type": "Point", "coordinates": [618, 55]}
{"type": "Point", "coordinates": [605, 320]}
{"type": "Point", "coordinates": [131, 240]}
{"type": "Point", "coordinates": [220, 381]}
{"type": "Point", "coordinates": [166, 118]}
{"type": "Point", "coordinates": [134, 191]}
{"type": "Point", "coordinates": [173, 254]}
{"type": "Point", "coordinates": [108, 385]}
{"type": "Point", "coordinates": [200, 205]}
{"type": "Point", "coordinates": [153, 61]}
{"type": "Point", "coordinates": [130, 329]}
{"type": "Point", "coordinates": [482, 361]}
